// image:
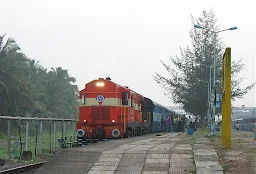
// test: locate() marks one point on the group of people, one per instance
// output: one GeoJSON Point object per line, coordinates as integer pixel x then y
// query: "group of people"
{"type": "Point", "coordinates": [181, 122]}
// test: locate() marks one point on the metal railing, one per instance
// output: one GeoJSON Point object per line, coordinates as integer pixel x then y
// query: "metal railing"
{"type": "Point", "coordinates": [56, 128]}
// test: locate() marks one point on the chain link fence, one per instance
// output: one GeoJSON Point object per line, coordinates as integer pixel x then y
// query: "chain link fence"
{"type": "Point", "coordinates": [23, 138]}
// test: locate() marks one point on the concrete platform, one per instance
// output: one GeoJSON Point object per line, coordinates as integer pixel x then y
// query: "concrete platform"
{"type": "Point", "coordinates": [206, 158]}
{"type": "Point", "coordinates": [145, 154]}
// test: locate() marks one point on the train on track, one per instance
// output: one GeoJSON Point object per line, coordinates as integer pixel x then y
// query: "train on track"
{"type": "Point", "coordinates": [110, 111]}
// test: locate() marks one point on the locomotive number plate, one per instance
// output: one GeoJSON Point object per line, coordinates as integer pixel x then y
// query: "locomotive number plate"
{"type": "Point", "coordinates": [109, 127]}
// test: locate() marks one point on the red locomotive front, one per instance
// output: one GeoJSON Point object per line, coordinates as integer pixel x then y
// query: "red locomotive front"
{"type": "Point", "coordinates": [107, 110]}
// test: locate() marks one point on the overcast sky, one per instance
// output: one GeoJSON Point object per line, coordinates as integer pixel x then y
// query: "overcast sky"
{"type": "Point", "coordinates": [124, 40]}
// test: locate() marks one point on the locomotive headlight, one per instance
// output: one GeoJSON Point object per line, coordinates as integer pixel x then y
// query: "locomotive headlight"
{"type": "Point", "coordinates": [100, 84]}
{"type": "Point", "coordinates": [85, 121]}
{"type": "Point", "coordinates": [113, 121]}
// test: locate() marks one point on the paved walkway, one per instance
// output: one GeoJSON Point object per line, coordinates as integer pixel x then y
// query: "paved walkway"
{"type": "Point", "coordinates": [156, 155]}
{"type": "Point", "coordinates": [166, 154]}
{"type": "Point", "coordinates": [206, 158]}
{"type": "Point", "coordinates": [161, 155]}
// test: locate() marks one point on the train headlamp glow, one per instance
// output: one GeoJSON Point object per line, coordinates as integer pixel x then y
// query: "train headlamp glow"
{"type": "Point", "coordinates": [85, 121]}
{"type": "Point", "coordinates": [113, 121]}
{"type": "Point", "coordinates": [100, 84]}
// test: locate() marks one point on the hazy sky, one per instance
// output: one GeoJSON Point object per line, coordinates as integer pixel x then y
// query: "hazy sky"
{"type": "Point", "coordinates": [124, 40]}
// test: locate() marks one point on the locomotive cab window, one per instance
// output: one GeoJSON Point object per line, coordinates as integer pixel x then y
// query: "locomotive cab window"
{"type": "Point", "coordinates": [83, 98]}
{"type": "Point", "coordinates": [124, 98]}
{"type": "Point", "coordinates": [132, 103]}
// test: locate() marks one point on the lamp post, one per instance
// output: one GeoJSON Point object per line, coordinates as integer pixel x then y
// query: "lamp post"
{"type": "Point", "coordinates": [208, 98]}
{"type": "Point", "coordinates": [210, 83]}
{"type": "Point", "coordinates": [214, 71]}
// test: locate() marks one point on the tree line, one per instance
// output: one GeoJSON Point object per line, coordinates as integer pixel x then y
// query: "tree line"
{"type": "Point", "coordinates": [186, 83]}
{"type": "Point", "coordinates": [29, 89]}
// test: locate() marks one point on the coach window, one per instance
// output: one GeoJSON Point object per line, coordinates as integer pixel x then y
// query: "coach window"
{"type": "Point", "coordinates": [125, 98]}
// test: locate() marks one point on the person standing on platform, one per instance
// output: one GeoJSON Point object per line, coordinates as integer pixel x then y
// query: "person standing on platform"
{"type": "Point", "coordinates": [189, 122]}
{"type": "Point", "coordinates": [175, 124]}
{"type": "Point", "coordinates": [183, 123]}
{"type": "Point", "coordinates": [237, 126]}
{"type": "Point", "coordinates": [218, 121]}
{"type": "Point", "coordinates": [170, 123]}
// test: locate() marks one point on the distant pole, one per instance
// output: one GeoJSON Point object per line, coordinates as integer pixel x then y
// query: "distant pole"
{"type": "Point", "coordinates": [208, 113]}
{"type": "Point", "coordinates": [243, 106]}
{"type": "Point", "coordinates": [210, 92]}
{"type": "Point", "coordinates": [214, 86]}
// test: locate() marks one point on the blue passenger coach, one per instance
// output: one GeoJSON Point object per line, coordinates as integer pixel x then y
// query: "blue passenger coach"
{"type": "Point", "coordinates": [160, 118]}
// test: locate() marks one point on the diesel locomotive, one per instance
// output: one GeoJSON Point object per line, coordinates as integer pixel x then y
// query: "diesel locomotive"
{"type": "Point", "coordinates": [110, 111]}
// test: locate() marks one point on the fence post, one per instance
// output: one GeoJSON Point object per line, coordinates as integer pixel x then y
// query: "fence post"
{"type": "Point", "coordinates": [20, 136]}
{"type": "Point", "coordinates": [41, 136]}
{"type": "Point", "coordinates": [64, 132]}
{"type": "Point", "coordinates": [9, 138]}
{"type": "Point", "coordinates": [74, 131]}
{"type": "Point", "coordinates": [54, 136]}
{"type": "Point", "coordinates": [62, 136]}
{"type": "Point", "coordinates": [27, 130]}
{"type": "Point", "coordinates": [36, 125]}
{"type": "Point", "coordinates": [50, 138]}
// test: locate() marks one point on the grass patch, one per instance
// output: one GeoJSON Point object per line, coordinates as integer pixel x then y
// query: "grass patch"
{"type": "Point", "coordinates": [202, 132]}
{"type": "Point", "coordinates": [192, 171]}
{"type": "Point", "coordinates": [191, 139]}
{"type": "Point", "coordinates": [225, 166]}
{"type": "Point", "coordinates": [217, 137]}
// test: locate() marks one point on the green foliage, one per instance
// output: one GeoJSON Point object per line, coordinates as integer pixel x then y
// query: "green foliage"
{"type": "Point", "coordinates": [189, 73]}
{"type": "Point", "coordinates": [225, 165]}
{"type": "Point", "coordinates": [28, 88]}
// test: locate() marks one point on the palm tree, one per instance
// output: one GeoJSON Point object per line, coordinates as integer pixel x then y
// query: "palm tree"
{"type": "Point", "coordinates": [13, 83]}
{"type": "Point", "coordinates": [61, 93]}
{"type": "Point", "coordinates": [25, 86]}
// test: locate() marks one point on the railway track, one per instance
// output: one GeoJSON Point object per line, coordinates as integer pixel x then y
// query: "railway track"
{"type": "Point", "coordinates": [93, 141]}
{"type": "Point", "coordinates": [84, 142]}
{"type": "Point", "coordinates": [22, 169]}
